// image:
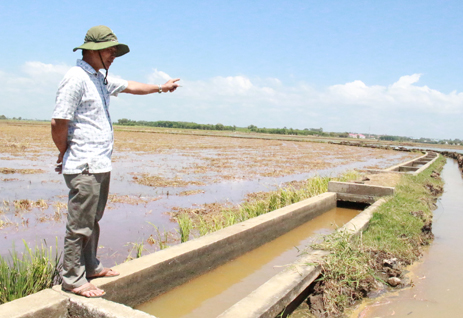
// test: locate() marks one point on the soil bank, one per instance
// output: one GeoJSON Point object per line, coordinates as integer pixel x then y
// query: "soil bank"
{"type": "Point", "coordinates": [437, 277]}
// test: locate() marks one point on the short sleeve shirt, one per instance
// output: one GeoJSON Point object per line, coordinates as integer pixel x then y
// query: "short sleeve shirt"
{"type": "Point", "coordinates": [83, 99]}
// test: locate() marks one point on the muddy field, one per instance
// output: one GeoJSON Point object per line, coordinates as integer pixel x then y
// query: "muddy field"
{"type": "Point", "coordinates": [155, 173]}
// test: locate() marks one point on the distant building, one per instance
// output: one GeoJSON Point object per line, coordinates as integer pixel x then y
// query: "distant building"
{"type": "Point", "coordinates": [359, 136]}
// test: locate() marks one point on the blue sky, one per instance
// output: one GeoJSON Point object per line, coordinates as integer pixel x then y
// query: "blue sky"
{"type": "Point", "coordinates": [386, 67]}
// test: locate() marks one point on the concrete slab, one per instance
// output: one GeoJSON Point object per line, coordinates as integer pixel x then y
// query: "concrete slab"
{"type": "Point", "coordinates": [378, 171]}
{"type": "Point", "coordinates": [361, 221]}
{"type": "Point", "coordinates": [407, 168]}
{"type": "Point", "coordinates": [422, 162]}
{"type": "Point", "coordinates": [359, 189]}
{"type": "Point", "coordinates": [356, 198]}
{"type": "Point", "coordinates": [101, 308]}
{"type": "Point", "coordinates": [44, 304]}
{"type": "Point", "coordinates": [83, 307]}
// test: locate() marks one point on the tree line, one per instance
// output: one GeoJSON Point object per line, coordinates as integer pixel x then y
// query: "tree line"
{"type": "Point", "coordinates": [174, 124]}
{"type": "Point", "coordinates": [253, 128]}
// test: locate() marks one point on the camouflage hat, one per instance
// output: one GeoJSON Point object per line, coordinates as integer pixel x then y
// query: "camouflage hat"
{"type": "Point", "coordinates": [101, 37]}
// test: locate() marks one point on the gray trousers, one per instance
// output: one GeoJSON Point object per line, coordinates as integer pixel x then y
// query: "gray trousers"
{"type": "Point", "coordinates": [88, 194]}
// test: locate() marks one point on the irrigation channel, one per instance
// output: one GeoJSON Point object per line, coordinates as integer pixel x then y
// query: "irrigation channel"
{"type": "Point", "coordinates": [214, 292]}
{"type": "Point", "coordinates": [438, 277]}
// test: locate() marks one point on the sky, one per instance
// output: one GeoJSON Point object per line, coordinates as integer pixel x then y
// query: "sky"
{"type": "Point", "coordinates": [380, 67]}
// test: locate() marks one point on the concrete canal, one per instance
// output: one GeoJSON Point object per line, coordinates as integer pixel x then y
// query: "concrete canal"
{"type": "Point", "coordinates": [212, 293]}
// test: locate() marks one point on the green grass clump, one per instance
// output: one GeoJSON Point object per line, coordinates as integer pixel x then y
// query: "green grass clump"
{"type": "Point", "coordinates": [161, 238]}
{"type": "Point", "coordinates": [272, 201]}
{"type": "Point", "coordinates": [27, 274]}
{"type": "Point", "coordinates": [283, 197]}
{"type": "Point", "coordinates": [138, 248]}
{"type": "Point", "coordinates": [185, 225]}
{"type": "Point", "coordinates": [355, 264]}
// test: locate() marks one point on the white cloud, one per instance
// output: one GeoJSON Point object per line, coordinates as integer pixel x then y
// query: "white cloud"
{"type": "Point", "coordinates": [39, 70]}
{"type": "Point", "coordinates": [402, 108]}
{"type": "Point", "coordinates": [158, 77]}
{"type": "Point", "coordinates": [406, 81]}
{"type": "Point", "coordinates": [30, 93]}
{"type": "Point", "coordinates": [399, 95]}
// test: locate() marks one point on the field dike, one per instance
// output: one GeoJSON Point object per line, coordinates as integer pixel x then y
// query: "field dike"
{"type": "Point", "coordinates": [340, 268]}
{"type": "Point", "coordinates": [370, 263]}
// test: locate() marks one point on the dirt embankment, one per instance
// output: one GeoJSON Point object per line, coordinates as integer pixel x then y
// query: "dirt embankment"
{"type": "Point", "coordinates": [454, 155]}
{"type": "Point", "coordinates": [384, 147]}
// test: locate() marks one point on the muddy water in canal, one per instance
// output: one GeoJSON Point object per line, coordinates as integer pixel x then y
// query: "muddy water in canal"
{"type": "Point", "coordinates": [214, 292]}
{"type": "Point", "coordinates": [438, 276]}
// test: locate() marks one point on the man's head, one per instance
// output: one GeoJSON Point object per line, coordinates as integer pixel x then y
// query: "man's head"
{"type": "Point", "coordinates": [101, 37]}
{"type": "Point", "coordinates": [101, 59]}
{"type": "Point", "coordinates": [100, 48]}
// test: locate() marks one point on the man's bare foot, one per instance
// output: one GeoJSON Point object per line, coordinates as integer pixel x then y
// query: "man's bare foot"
{"type": "Point", "coordinates": [106, 272]}
{"type": "Point", "coordinates": [87, 290]}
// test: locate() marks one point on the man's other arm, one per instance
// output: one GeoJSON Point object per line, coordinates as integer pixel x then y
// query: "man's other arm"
{"type": "Point", "coordinates": [59, 134]}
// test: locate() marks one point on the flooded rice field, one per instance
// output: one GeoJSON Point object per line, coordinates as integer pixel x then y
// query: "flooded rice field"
{"type": "Point", "coordinates": [153, 175]}
{"type": "Point", "coordinates": [437, 278]}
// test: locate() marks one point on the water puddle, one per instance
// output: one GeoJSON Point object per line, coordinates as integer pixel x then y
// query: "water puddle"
{"type": "Point", "coordinates": [212, 293]}
{"type": "Point", "coordinates": [438, 277]}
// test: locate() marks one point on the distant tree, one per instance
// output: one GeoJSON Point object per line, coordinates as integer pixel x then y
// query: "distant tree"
{"type": "Point", "coordinates": [389, 138]}
{"type": "Point", "coordinates": [3, 117]}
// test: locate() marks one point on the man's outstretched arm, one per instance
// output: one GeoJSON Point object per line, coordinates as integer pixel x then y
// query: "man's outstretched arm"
{"type": "Point", "coordinates": [143, 89]}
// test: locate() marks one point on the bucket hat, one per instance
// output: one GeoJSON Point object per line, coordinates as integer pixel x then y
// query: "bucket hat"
{"type": "Point", "coordinates": [101, 37]}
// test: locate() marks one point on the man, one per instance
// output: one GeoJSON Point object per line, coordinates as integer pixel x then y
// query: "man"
{"type": "Point", "coordinates": [82, 131]}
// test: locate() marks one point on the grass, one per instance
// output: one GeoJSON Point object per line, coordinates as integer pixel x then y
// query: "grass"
{"type": "Point", "coordinates": [204, 224]}
{"type": "Point", "coordinates": [161, 238]}
{"type": "Point", "coordinates": [138, 247]}
{"type": "Point", "coordinates": [185, 225]}
{"type": "Point", "coordinates": [27, 274]}
{"type": "Point", "coordinates": [398, 229]}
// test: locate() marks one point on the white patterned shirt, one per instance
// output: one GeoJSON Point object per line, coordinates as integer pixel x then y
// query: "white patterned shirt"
{"type": "Point", "coordinates": [83, 99]}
